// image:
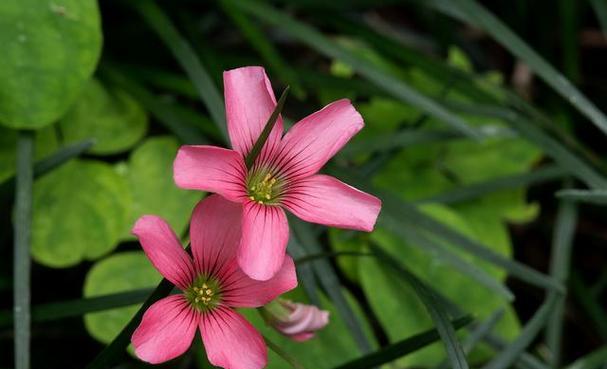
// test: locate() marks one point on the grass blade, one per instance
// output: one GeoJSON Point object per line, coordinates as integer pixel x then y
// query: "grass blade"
{"type": "Point", "coordinates": [416, 238]}
{"type": "Point", "coordinates": [477, 334]}
{"type": "Point", "coordinates": [600, 8]}
{"type": "Point", "coordinates": [283, 354]}
{"type": "Point", "coordinates": [21, 262]}
{"type": "Point", "coordinates": [264, 48]}
{"type": "Point", "coordinates": [511, 353]}
{"type": "Point", "coordinates": [51, 162]}
{"type": "Point", "coordinates": [267, 128]}
{"type": "Point", "coordinates": [400, 209]}
{"type": "Point", "coordinates": [479, 16]}
{"type": "Point", "coordinates": [435, 308]}
{"type": "Point", "coordinates": [319, 42]}
{"type": "Point", "coordinates": [330, 282]}
{"type": "Point", "coordinates": [398, 140]}
{"type": "Point", "coordinates": [304, 272]}
{"type": "Point", "coordinates": [524, 361]}
{"type": "Point", "coordinates": [186, 57]}
{"type": "Point", "coordinates": [590, 304]}
{"type": "Point", "coordinates": [71, 308]}
{"type": "Point", "coordinates": [593, 360]}
{"type": "Point", "coordinates": [472, 191]}
{"type": "Point", "coordinates": [110, 354]}
{"type": "Point", "coordinates": [161, 110]}
{"type": "Point", "coordinates": [589, 196]}
{"type": "Point", "coordinates": [562, 243]}
{"type": "Point", "coordinates": [401, 348]}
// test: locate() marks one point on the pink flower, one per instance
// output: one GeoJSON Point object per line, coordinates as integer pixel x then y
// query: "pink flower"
{"type": "Point", "coordinates": [294, 320]}
{"type": "Point", "coordinates": [284, 175]}
{"type": "Point", "coordinates": [211, 285]}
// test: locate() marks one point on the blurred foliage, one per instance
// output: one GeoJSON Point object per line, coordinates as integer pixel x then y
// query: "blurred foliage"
{"type": "Point", "coordinates": [440, 118]}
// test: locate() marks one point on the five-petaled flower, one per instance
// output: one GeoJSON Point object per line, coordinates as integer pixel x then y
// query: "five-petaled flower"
{"type": "Point", "coordinates": [283, 176]}
{"type": "Point", "coordinates": [212, 284]}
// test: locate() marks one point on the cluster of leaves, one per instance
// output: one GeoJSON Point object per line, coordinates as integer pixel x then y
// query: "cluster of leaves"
{"type": "Point", "coordinates": [450, 151]}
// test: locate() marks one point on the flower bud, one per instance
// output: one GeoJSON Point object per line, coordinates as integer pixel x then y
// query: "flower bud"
{"type": "Point", "coordinates": [296, 321]}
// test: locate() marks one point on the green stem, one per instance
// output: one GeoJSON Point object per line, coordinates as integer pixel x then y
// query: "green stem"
{"type": "Point", "coordinates": [283, 354]}
{"type": "Point", "coordinates": [22, 262]}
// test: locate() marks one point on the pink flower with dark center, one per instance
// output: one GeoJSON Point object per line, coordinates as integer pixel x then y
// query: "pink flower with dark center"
{"type": "Point", "coordinates": [283, 176]}
{"type": "Point", "coordinates": [212, 285]}
{"type": "Point", "coordinates": [296, 321]}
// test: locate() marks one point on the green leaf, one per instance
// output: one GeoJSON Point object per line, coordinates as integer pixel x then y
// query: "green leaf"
{"type": "Point", "coordinates": [392, 85]}
{"type": "Point", "coordinates": [392, 299]}
{"type": "Point", "coordinates": [434, 306]}
{"type": "Point", "coordinates": [600, 8]}
{"type": "Point", "coordinates": [49, 49]}
{"type": "Point", "coordinates": [332, 346]}
{"type": "Point", "coordinates": [330, 282]}
{"type": "Point", "coordinates": [22, 263]}
{"type": "Point", "coordinates": [472, 12]}
{"type": "Point", "coordinates": [110, 116]}
{"type": "Point", "coordinates": [120, 272]}
{"type": "Point", "coordinates": [401, 348]}
{"type": "Point", "coordinates": [80, 211]}
{"type": "Point", "coordinates": [148, 173]}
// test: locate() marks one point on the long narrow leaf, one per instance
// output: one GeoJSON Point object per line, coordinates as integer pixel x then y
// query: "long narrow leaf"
{"type": "Point", "coordinates": [21, 257]}
{"type": "Point", "coordinates": [594, 360]}
{"type": "Point", "coordinates": [600, 8]}
{"type": "Point", "coordinates": [435, 308]}
{"type": "Point", "coordinates": [477, 15]}
{"type": "Point", "coordinates": [469, 192]}
{"type": "Point", "coordinates": [511, 352]}
{"type": "Point", "coordinates": [408, 213]}
{"type": "Point", "coordinates": [111, 352]}
{"type": "Point", "coordinates": [467, 268]}
{"type": "Point", "coordinates": [402, 348]}
{"type": "Point", "coordinates": [562, 243]}
{"type": "Point", "coordinates": [589, 196]}
{"type": "Point", "coordinates": [162, 111]}
{"type": "Point", "coordinates": [318, 41]}
{"type": "Point", "coordinates": [330, 282]}
{"type": "Point", "coordinates": [267, 128]}
{"type": "Point", "coordinates": [264, 47]}
{"type": "Point", "coordinates": [304, 272]}
{"type": "Point", "coordinates": [66, 309]}
{"type": "Point", "coordinates": [186, 57]}
{"type": "Point", "coordinates": [51, 162]}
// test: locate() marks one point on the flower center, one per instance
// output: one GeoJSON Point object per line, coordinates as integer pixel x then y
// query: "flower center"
{"type": "Point", "coordinates": [263, 187]}
{"type": "Point", "coordinates": [204, 294]}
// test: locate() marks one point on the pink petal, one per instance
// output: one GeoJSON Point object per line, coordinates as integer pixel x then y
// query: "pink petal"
{"type": "Point", "coordinates": [210, 168]}
{"type": "Point", "coordinates": [231, 342]}
{"type": "Point", "coordinates": [311, 142]}
{"type": "Point", "coordinates": [215, 231]}
{"type": "Point", "coordinates": [242, 291]}
{"type": "Point", "coordinates": [249, 103]}
{"type": "Point", "coordinates": [166, 330]}
{"type": "Point", "coordinates": [164, 250]}
{"type": "Point", "coordinates": [265, 233]}
{"type": "Point", "coordinates": [301, 337]}
{"type": "Point", "coordinates": [325, 200]}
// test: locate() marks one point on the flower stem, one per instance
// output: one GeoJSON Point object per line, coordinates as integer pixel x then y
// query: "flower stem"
{"type": "Point", "coordinates": [22, 262]}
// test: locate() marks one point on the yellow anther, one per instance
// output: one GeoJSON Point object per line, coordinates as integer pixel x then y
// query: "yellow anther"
{"type": "Point", "coordinates": [209, 292]}
{"type": "Point", "coordinates": [267, 196]}
{"type": "Point", "coordinates": [260, 202]}
{"type": "Point", "coordinates": [196, 299]}
{"type": "Point", "coordinates": [273, 181]}
{"type": "Point", "coordinates": [204, 285]}
{"type": "Point", "coordinates": [251, 198]}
